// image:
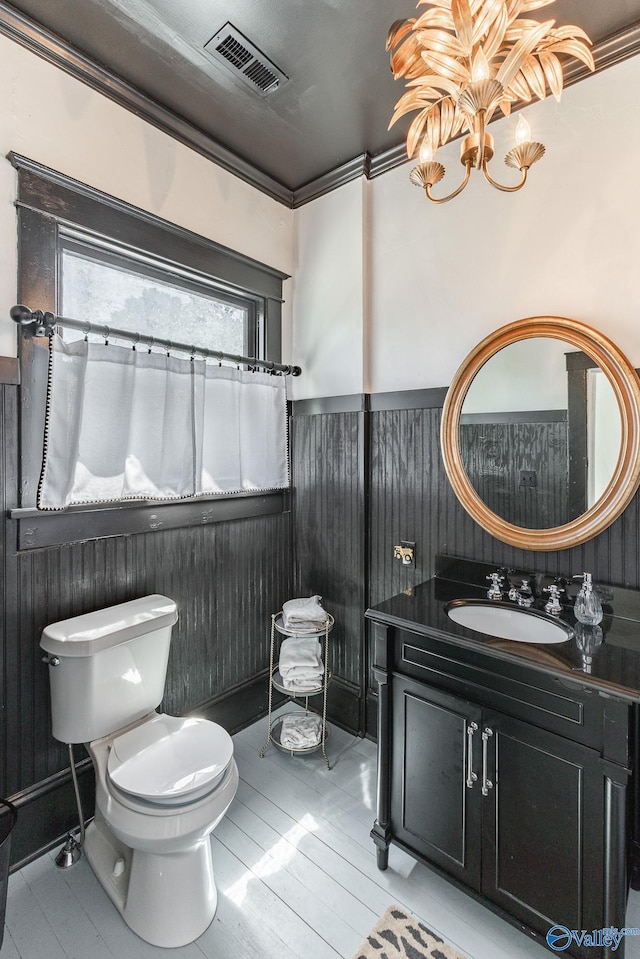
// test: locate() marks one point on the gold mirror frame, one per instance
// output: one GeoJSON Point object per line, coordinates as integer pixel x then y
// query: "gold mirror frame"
{"type": "Point", "coordinates": [626, 477]}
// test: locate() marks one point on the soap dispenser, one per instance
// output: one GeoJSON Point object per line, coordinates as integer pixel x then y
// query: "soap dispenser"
{"type": "Point", "coordinates": [587, 607]}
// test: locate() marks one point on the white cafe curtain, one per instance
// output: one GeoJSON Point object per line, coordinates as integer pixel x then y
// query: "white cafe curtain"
{"type": "Point", "coordinates": [125, 424]}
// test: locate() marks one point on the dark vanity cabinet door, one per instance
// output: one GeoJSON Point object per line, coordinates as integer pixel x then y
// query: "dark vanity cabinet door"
{"type": "Point", "coordinates": [512, 811]}
{"type": "Point", "coordinates": [435, 807]}
{"type": "Point", "coordinates": [542, 826]}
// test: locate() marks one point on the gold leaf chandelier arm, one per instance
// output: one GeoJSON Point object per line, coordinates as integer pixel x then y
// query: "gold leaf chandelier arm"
{"type": "Point", "coordinates": [535, 4]}
{"type": "Point", "coordinates": [570, 32]}
{"type": "Point", "coordinates": [518, 28]}
{"type": "Point", "coordinates": [446, 66]}
{"type": "Point", "coordinates": [447, 118]}
{"type": "Point", "coordinates": [496, 33]}
{"type": "Point", "coordinates": [406, 58]}
{"type": "Point", "coordinates": [553, 72]}
{"type": "Point", "coordinates": [435, 18]}
{"type": "Point", "coordinates": [535, 77]}
{"type": "Point", "coordinates": [415, 130]}
{"type": "Point", "coordinates": [575, 48]}
{"type": "Point", "coordinates": [398, 30]}
{"type": "Point", "coordinates": [440, 83]}
{"type": "Point", "coordinates": [413, 100]}
{"type": "Point", "coordinates": [519, 89]}
{"type": "Point", "coordinates": [514, 7]}
{"type": "Point", "coordinates": [441, 41]}
{"type": "Point", "coordinates": [491, 12]}
{"type": "Point", "coordinates": [502, 186]}
{"type": "Point", "coordinates": [463, 23]}
{"type": "Point", "coordinates": [505, 106]}
{"type": "Point", "coordinates": [450, 196]}
{"type": "Point", "coordinates": [520, 51]}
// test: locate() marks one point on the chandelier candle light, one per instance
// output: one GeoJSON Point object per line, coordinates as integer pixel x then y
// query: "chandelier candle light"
{"type": "Point", "coordinates": [463, 60]}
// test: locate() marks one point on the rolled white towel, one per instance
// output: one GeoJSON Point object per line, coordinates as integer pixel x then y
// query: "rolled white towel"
{"type": "Point", "coordinates": [300, 732]}
{"type": "Point", "coordinates": [307, 629]}
{"type": "Point", "coordinates": [303, 612]}
{"type": "Point", "coordinates": [298, 685]}
{"type": "Point", "coordinates": [300, 652]}
{"type": "Point", "coordinates": [301, 673]}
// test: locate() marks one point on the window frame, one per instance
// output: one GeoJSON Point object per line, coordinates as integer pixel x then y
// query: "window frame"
{"type": "Point", "coordinates": [86, 245]}
{"type": "Point", "coordinates": [50, 206]}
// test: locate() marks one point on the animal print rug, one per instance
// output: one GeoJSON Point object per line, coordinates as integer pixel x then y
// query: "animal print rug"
{"type": "Point", "coordinates": [399, 936]}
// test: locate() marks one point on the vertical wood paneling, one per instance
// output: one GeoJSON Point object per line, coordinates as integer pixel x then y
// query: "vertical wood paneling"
{"type": "Point", "coordinates": [410, 491]}
{"type": "Point", "coordinates": [494, 454]}
{"type": "Point", "coordinates": [328, 460]}
{"type": "Point", "coordinates": [226, 579]}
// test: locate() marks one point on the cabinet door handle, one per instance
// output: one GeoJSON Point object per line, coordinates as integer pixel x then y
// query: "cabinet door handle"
{"type": "Point", "coordinates": [471, 776]}
{"type": "Point", "coordinates": [486, 782]}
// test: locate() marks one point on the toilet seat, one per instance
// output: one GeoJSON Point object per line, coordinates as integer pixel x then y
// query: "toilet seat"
{"type": "Point", "coordinates": [169, 761]}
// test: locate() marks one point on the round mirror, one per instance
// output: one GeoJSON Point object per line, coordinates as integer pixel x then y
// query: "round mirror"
{"type": "Point", "coordinates": [540, 433]}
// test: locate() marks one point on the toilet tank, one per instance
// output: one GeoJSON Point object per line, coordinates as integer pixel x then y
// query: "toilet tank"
{"type": "Point", "coordinates": [108, 668]}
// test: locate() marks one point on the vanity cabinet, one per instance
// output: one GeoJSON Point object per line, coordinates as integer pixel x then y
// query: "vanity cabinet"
{"type": "Point", "coordinates": [514, 812]}
{"type": "Point", "coordinates": [510, 781]}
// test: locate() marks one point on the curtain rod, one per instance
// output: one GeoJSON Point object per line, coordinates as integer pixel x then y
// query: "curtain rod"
{"type": "Point", "coordinates": [44, 324]}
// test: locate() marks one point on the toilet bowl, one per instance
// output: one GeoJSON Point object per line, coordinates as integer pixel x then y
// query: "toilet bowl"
{"type": "Point", "coordinates": [163, 783]}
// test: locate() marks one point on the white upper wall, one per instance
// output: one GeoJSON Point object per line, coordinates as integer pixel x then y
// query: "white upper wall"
{"type": "Point", "coordinates": [390, 292]}
{"type": "Point", "coordinates": [62, 123]}
{"type": "Point", "coordinates": [440, 278]}
{"type": "Point", "coordinates": [328, 303]}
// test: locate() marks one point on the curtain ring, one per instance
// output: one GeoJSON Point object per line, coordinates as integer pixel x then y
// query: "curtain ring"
{"type": "Point", "coordinates": [135, 342]}
{"type": "Point", "coordinates": [170, 344]}
{"type": "Point", "coordinates": [106, 338]}
{"type": "Point", "coordinates": [193, 353]}
{"type": "Point", "coordinates": [87, 331]}
{"type": "Point", "coordinates": [151, 342]}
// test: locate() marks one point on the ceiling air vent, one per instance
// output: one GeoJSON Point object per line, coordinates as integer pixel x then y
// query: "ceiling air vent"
{"type": "Point", "coordinates": [242, 58]}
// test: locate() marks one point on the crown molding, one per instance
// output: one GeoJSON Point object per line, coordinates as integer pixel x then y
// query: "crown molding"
{"type": "Point", "coordinates": [614, 49]}
{"type": "Point", "coordinates": [353, 170]}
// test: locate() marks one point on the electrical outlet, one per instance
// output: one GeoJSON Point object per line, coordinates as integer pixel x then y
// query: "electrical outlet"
{"type": "Point", "coordinates": [406, 552]}
{"type": "Point", "coordinates": [528, 478]}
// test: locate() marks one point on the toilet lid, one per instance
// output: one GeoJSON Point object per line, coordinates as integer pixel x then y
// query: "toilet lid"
{"type": "Point", "coordinates": [170, 758]}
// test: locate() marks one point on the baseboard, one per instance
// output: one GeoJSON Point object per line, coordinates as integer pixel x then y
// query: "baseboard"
{"type": "Point", "coordinates": [343, 705]}
{"type": "Point", "coordinates": [237, 708]}
{"type": "Point", "coordinates": [47, 812]}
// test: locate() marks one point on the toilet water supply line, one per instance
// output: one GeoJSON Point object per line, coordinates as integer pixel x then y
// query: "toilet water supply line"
{"type": "Point", "coordinates": [72, 849]}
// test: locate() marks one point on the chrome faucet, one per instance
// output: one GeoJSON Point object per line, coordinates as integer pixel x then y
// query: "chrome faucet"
{"type": "Point", "coordinates": [525, 595]}
{"type": "Point", "coordinates": [495, 590]}
{"type": "Point", "coordinates": [553, 603]}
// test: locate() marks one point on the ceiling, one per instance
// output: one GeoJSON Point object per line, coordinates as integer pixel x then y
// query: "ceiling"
{"type": "Point", "coordinates": [339, 96]}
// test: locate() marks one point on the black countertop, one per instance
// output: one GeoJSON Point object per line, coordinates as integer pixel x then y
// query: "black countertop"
{"type": "Point", "coordinates": [612, 666]}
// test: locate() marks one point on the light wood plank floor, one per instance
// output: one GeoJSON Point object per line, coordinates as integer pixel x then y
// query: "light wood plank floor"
{"type": "Point", "coordinates": [296, 876]}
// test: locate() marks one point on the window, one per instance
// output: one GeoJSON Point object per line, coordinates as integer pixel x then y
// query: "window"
{"type": "Point", "coordinates": [128, 292]}
{"type": "Point", "coordinates": [84, 251]}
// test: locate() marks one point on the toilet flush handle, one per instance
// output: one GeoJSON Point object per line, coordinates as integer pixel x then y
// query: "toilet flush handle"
{"type": "Point", "coordinates": [51, 660]}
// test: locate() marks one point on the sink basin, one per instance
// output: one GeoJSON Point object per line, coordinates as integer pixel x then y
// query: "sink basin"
{"type": "Point", "coordinates": [508, 622]}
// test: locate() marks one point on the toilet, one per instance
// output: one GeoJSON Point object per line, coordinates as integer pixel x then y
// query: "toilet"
{"type": "Point", "coordinates": [163, 783]}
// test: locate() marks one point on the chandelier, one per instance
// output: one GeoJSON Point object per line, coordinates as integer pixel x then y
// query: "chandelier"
{"type": "Point", "coordinates": [463, 60]}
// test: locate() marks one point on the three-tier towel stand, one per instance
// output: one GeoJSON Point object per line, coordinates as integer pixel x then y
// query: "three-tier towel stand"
{"type": "Point", "coordinates": [276, 682]}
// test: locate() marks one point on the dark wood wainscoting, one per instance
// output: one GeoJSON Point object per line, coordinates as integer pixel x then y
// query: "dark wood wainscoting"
{"type": "Point", "coordinates": [328, 458]}
{"type": "Point", "coordinates": [227, 578]}
{"type": "Point", "coordinates": [367, 472]}
{"type": "Point", "coordinates": [366, 480]}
